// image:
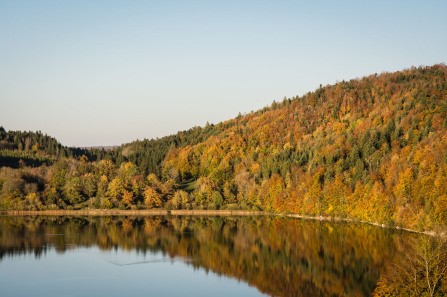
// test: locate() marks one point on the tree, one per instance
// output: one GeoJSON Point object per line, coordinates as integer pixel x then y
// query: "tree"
{"type": "Point", "coordinates": [89, 184]}
{"type": "Point", "coordinates": [128, 198]}
{"type": "Point", "coordinates": [313, 198]}
{"type": "Point", "coordinates": [152, 198]}
{"type": "Point", "coordinates": [422, 270]}
{"type": "Point", "coordinates": [128, 170]}
{"type": "Point", "coordinates": [116, 188]}
{"type": "Point", "coordinates": [106, 168]}
{"type": "Point", "coordinates": [180, 200]}
{"type": "Point", "coordinates": [217, 199]}
{"type": "Point", "coordinates": [272, 192]}
{"type": "Point", "coordinates": [73, 190]}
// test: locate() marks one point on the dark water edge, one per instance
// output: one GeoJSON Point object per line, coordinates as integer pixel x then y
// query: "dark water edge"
{"type": "Point", "coordinates": [278, 256]}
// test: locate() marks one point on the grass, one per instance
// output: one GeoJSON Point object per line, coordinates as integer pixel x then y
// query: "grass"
{"type": "Point", "coordinates": [146, 212]}
{"type": "Point", "coordinates": [188, 185]}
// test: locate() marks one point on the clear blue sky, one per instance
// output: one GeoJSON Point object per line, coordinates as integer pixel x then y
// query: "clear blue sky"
{"type": "Point", "coordinates": [107, 72]}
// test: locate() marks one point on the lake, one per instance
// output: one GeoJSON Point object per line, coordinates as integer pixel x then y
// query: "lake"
{"type": "Point", "coordinates": [191, 256]}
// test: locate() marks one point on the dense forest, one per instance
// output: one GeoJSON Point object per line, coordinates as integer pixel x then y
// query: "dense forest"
{"type": "Point", "coordinates": [371, 149]}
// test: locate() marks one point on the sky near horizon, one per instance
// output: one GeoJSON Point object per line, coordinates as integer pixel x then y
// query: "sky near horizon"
{"type": "Point", "coordinates": [108, 72]}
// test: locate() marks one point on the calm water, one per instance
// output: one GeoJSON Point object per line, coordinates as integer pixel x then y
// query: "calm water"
{"type": "Point", "coordinates": [191, 256]}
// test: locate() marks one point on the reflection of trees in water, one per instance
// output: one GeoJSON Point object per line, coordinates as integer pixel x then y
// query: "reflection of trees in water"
{"type": "Point", "coordinates": [420, 271]}
{"type": "Point", "coordinates": [281, 257]}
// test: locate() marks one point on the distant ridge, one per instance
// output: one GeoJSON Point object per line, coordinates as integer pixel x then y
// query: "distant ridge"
{"type": "Point", "coordinates": [107, 148]}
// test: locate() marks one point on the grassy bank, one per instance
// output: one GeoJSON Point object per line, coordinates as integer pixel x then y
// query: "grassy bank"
{"type": "Point", "coordinates": [149, 212]}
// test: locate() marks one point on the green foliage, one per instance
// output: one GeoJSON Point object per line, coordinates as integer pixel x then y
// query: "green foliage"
{"type": "Point", "coordinates": [217, 199]}
{"type": "Point", "coordinates": [18, 149]}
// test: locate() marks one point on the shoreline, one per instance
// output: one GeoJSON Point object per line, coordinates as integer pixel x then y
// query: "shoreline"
{"type": "Point", "coordinates": [141, 212]}
{"type": "Point", "coordinates": [203, 212]}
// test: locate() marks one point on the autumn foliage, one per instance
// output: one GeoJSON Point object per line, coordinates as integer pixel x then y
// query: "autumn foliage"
{"type": "Point", "coordinates": [372, 149]}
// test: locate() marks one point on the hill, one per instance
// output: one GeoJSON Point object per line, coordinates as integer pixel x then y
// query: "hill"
{"type": "Point", "coordinates": [372, 149]}
{"type": "Point", "coordinates": [20, 148]}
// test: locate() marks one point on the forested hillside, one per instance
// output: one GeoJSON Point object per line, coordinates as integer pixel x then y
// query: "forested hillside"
{"type": "Point", "coordinates": [372, 149]}
{"type": "Point", "coordinates": [19, 149]}
{"type": "Point", "coordinates": [148, 155]}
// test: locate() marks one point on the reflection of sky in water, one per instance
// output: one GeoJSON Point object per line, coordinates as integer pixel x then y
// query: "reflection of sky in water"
{"type": "Point", "coordinates": [92, 272]}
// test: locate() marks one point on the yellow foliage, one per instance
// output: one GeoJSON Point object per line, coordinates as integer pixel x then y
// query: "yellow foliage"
{"type": "Point", "coordinates": [152, 198]}
{"type": "Point", "coordinates": [128, 197]}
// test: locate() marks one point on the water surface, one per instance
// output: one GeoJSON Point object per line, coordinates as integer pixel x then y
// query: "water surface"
{"type": "Point", "coordinates": [191, 256]}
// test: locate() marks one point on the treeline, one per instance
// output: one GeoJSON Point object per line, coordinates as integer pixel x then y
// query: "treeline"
{"type": "Point", "coordinates": [52, 176]}
{"type": "Point", "coordinates": [77, 183]}
{"type": "Point", "coordinates": [372, 149]}
{"type": "Point", "coordinates": [148, 155]}
{"type": "Point", "coordinates": [19, 149]}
